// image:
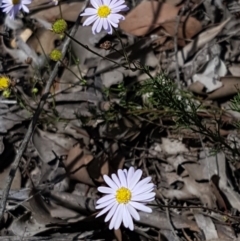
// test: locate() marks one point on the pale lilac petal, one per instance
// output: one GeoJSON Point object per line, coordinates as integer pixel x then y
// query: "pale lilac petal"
{"type": "Point", "coordinates": [129, 175]}
{"type": "Point", "coordinates": [110, 29]}
{"type": "Point", "coordinates": [119, 217]}
{"type": "Point", "coordinates": [143, 189]}
{"type": "Point", "coordinates": [143, 197]}
{"type": "Point", "coordinates": [25, 9]}
{"type": "Point", "coordinates": [106, 190]}
{"type": "Point", "coordinates": [122, 178]}
{"type": "Point", "coordinates": [122, 8]}
{"type": "Point", "coordinates": [91, 10]}
{"type": "Point", "coordinates": [90, 20]}
{"type": "Point", "coordinates": [105, 26]}
{"type": "Point", "coordinates": [149, 200]}
{"type": "Point", "coordinates": [105, 209]}
{"type": "Point", "coordinates": [103, 205]}
{"type": "Point", "coordinates": [116, 17]}
{"type": "Point", "coordinates": [95, 3]}
{"type": "Point", "coordinates": [105, 198]}
{"type": "Point", "coordinates": [100, 25]}
{"type": "Point", "coordinates": [116, 180]}
{"type": "Point", "coordinates": [94, 31]}
{"type": "Point", "coordinates": [115, 4]}
{"type": "Point", "coordinates": [111, 212]}
{"type": "Point", "coordinates": [133, 212]}
{"type": "Point", "coordinates": [136, 177]}
{"type": "Point", "coordinates": [115, 217]}
{"type": "Point", "coordinates": [140, 207]}
{"type": "Point", "coordinates": [112, 23]}
{"type": "Point", "coordinates": [141, 183]}
{"type": "Point", "coordinates": [131, 226]}
{"type": "Point", "coordinates": [129, 219]}
{"type": "Point", "coordinates": [125, 217]}
{"type": "Point", "coordinates": [106, 2]}
{"type": "Point", "coordinates": [109, 181]}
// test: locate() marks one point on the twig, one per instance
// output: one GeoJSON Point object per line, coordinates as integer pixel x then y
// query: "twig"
{"type": "Point", "coordinates": [33, 122]}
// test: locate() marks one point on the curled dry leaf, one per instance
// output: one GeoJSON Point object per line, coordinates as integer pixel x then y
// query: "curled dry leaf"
{"type": "Point", "coordinates": [26, 226]}
{"type": "Point", "coordinates": [70, 12]}
{"type": "Point", "coordinates": [47, 39]}
{"type": "Point", "coordinates": [46, 143]}
{"type": "Point", "coordinates": [76, 165]}
{"type": "Point", "coordinates": [150, 15]}
{"type": "Point", "coordinates": [147, 16]}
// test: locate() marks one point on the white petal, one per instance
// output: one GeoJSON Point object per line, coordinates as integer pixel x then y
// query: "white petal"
{"type": "Point", "coordinates": [106, 198]}
{"type": "Point", "coordinates": [133, 212]}
{"type": "Point", "coordinates": [109, 181]}
{"type": "Point", "coordinates": [115, 217]}
{"type": "Point", "coordinates": [130, 220]}
{"type": "Point", "coordinates": [110, 30]}
{"type": "Point", "coordinates": [129, 175]}
{"type": "Point", "coordinates": [90, 20]}
{"type": "Point", "coordinates": [125, 217]}
{"type": "Point", "coordinates": [141, 207]}
{"type": "Point", "coordinates": [105, 204]}
{"type": "Point", "coordinates": [112, 23]}
{"type": "Point", "coordinates": [119, 217]}
{"type": "Point", "coordinates": [25, 9]}
{"type": "Point", "coordinates": [122, 8]}
{"type": "Point", "coordinates": [143, 197]}
{"type": "Point", "coordinates": [94, 28]}
{"type": "Point", "coordinates": [100, 25]}
{"type": "Point", "coordinates": [111, 212]}
{"type": "Point", "coordinates": [105, 26]}
{"type": "Point", "coordinates": [114, 4]}
{"type": "Point", "coordinates": [91, 10]}
{"type": "Point", "coordinates": [136, 177]}
{"type": "Point", "coordinates": [143, 189]}
{"type": "Point", "coordinates": [116, 180]}
{"type": "Point", "coordinates": [149, 200]}
{"type": "Point", "coordinates": [106, 190]}
{"type": "Point", "coordinates": [116, 17]}
{"type": "Point", "coordinates": [122, 178]}
{"type": "Point", "coordinates": [105, 209]}
{"type": "Point", "coordinates": [95, 3]}
{"type": "Point", "coordinates": [141, 183]}
{"type": "Point", "coordinates": [106, 2]}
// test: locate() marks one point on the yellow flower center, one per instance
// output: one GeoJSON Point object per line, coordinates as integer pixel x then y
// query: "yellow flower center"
{"type": "Point", "coordinates": [103, 11]}
{"type": "Point", "coordinates": [15, 2]}
{"type": "Point", "coordinates": [55, 55]}
{"type": "Point", "coordinates": [4, 82]}
{"type": "Point", "coordinates": [123, 195]}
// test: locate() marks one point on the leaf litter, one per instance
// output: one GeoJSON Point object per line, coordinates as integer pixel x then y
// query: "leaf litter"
{"type": "Point", "coordinates": [104, 114]}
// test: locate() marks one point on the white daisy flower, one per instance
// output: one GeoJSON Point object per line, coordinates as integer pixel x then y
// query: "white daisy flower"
{"type": "Point", "coordinates": [124, 195]}
{"type": "Point", "coordinates": [104, 14]}
{"type": "Point", "coordinates": [12, 7]}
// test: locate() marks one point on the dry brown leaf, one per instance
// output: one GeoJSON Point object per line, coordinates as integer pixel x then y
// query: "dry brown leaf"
{"type": "Point", "coordinates": [147, 16]}
{"type": "Point", "coordinates": [76, 165]}
{"type": "Point", "coordinates": [46, 143]}
{"type": "Point", "coordinates": [231, 86]}
{"type": "Point", "coordinates": [70, 12]}
{"type": "Point", "coordinates": [16, 184]}
{"type": "Point", "coordinates": [47, 39]}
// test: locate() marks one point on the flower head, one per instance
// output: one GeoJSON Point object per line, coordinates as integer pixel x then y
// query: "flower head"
{"type": "Point", "coordinates": [55, 55]}
{"type": "Point", "coordinates": [59, 26]}
{"type": "Point", "coordinates": [104, 14]}
{"type": "Point", "coordinates": [4, 82]}
{"type": "Point", "coordinates": [6, 93]}
{"type": "Point", "coordinates": [12, 7]}
{"type": "Point", "coordinates": [125, 194]}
